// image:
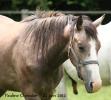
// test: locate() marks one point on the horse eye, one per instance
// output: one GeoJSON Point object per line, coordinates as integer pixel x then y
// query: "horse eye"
{"type": "Point", "coordinates": [81, 48]}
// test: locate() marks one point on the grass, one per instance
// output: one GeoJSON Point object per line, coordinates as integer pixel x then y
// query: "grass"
{"type": "Point", "coordinates": [103, 94]}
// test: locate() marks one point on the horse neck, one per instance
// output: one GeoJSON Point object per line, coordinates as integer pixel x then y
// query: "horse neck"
{"type": "Point", "coordinates": [57, 54]}
{"type": "Point", "coordinates": [53, 46]}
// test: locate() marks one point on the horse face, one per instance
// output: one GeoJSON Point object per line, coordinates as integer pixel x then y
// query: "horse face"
{"type": "Point", "coordinates": [83, 54]}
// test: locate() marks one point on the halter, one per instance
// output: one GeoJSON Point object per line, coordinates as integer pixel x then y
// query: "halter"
{"type": "Point", "coordinates": [89, 62]}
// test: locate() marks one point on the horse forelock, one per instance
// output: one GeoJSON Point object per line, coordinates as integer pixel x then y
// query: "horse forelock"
{"type": "Point", "coordinates": [90, 29]}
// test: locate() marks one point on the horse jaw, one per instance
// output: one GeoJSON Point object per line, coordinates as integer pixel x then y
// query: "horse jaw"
{"type": "Point", "coordinates": [98, 21]}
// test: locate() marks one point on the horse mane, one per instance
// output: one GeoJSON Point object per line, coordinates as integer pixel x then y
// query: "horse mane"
{"type": "Point", "coordinates": [45, 32]}
{"type": "Point", "coordinates": [89, 28]}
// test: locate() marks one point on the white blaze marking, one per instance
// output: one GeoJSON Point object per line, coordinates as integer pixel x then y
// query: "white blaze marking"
{"type": "Point", "coordinates": [92, 70]}
{"type": "Point", "coordinates": [93, 54]}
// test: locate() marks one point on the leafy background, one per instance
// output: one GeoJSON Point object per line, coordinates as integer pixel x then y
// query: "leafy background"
{"type": "Point", "coordinates": [55, 4]}
{"type": "Point", "coordinates": [67, 5]}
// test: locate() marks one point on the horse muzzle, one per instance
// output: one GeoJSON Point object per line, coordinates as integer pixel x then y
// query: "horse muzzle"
{"type": "Point", "coordinates": [92, 87]}
{"type": "Point", "coordinates": [93, 81]}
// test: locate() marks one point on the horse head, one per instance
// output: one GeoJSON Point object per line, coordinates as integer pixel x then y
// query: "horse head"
{"type": "Point", "coordinates": [83, 49]}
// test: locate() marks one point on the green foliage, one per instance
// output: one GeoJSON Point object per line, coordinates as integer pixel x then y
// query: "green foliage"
{"type": "Point", "coordinates": [15, 4]}
{"type": "Point", "coordinates": [41, 4]}
{"type": "Point", "coordinates": [49, 4]}
{"type": "Point", "coordinates": [88, 4]}
{"type": "Point", "coordinates": [24, 4]}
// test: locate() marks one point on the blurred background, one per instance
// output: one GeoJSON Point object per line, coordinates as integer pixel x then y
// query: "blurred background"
{"type": "Point", "coordinates": [18, 9]}
{"type": "Point", "coordinates": [28, 6]}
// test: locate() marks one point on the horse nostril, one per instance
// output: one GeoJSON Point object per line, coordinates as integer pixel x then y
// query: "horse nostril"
{"type": "Point", "coordinates": [91, 85]}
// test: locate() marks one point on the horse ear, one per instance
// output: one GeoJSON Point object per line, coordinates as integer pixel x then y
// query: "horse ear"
{"type": "Point", "coordinates": [79, 23]}
{"type": "Point", "coordinates": [98, 21]}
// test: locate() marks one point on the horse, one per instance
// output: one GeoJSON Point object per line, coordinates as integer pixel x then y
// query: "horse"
{"type": "Point", "coordinates": [32, 50]}
{"type": "Point", "coordinates": [104, 53]}
{"type": "Point", "coordinates": [103, 58]}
